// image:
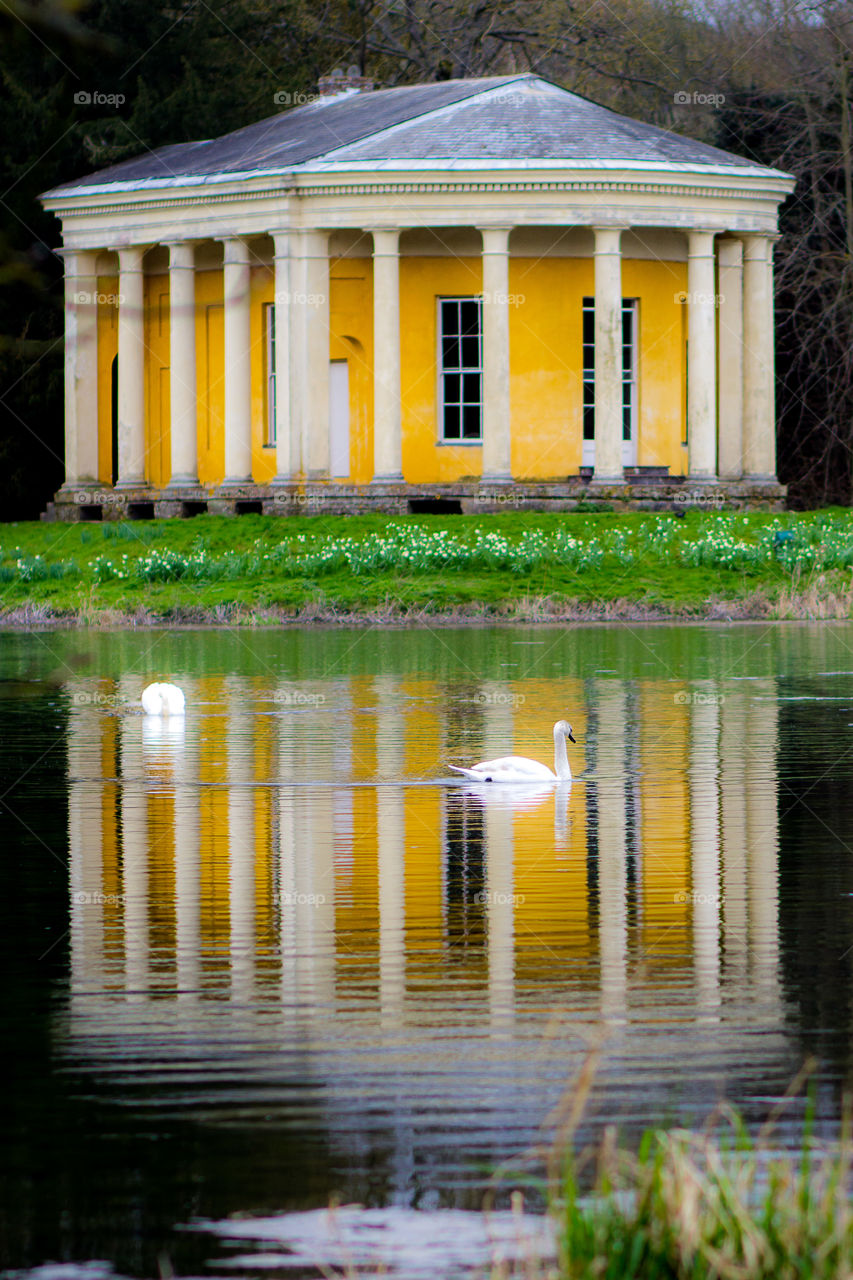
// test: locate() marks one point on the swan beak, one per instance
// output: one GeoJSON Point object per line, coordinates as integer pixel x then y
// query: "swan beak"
{"type": "Point", "coordinates": [571, 736]}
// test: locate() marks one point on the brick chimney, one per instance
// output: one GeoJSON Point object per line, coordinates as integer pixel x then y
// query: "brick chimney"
{"type": "Point", "coordinates": [341, 81]}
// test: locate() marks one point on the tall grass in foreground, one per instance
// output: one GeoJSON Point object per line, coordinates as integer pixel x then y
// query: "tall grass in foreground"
{"type": "Point", "coordinates": [717, 1204]}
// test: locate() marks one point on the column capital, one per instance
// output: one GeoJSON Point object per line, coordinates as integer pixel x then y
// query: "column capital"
{"type": "Point", "coordinates": [608, 239]}
{"type": "Point", "coordinates": [730, 253]}
{"type": "Point", "coordinates": [758, 245]}
{"type": "Point", "coordinates": [130, 257]}
{"type": "Point", "coordinates": [311, 239]}
{"type": "Point", "coordinates": [78, 262]}
{"type": "Point", "coordinates": [281, 242]}
{"type": "Point", "coordinates": [386, 241]}
{"type": "Point", "coordinates": [181, 254]}
{"type": "Point", "coordinates": [495, 239]}
{"type": "Point", "coordinates": [235, 252]}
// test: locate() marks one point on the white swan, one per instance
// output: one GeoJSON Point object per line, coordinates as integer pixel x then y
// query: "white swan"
{"type": "Point", "coordinates": [520, 769]}
{"type": "Point", "coordinates": [163, 700]}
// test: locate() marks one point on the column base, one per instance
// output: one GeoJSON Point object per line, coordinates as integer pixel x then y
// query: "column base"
{"type": "Point", "coordinates": [133, 482]}
{"type": "Point", "coordinates": [388, 479]}
{"type": "Point", "coordinates": [183, 482]}
{"type": "Point", "coordinates": [496, 477]}
{"type": "Point", "coordinates": [607, 480]}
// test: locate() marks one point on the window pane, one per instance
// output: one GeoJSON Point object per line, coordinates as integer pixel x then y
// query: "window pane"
{"type": "Point", "coordinates": [471, 388]}
{"type": "Point", "coordinates": [627, 317]}
{"type": "Point", "coordinates": [626, 419]}
{"type": "Point", "coordinates": [450, 353]}
{"type": "Point", "coordinates": [588, 328]}
{"type": "Point", "coordinates": [471, 429]}
{"type": "Point", "coordinates": [470, 318]}
{"type": "Point", "coordinates": [452, 387]}
{"type": "Point", "coordinates": [471, 353]}
{"type": "Point", "coordinates": [450, 317]}
{"type": "Point", "coordinates": [588, 422]}
{"type": "Point", "coordinates": [451, 422]}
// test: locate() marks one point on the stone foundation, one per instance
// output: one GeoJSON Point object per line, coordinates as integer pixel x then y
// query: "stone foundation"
{"type": "Point", "coordinates": [576, 493]}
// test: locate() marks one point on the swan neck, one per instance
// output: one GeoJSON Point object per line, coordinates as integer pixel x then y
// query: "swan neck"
{"type": "Point", "coordinates": [562, 768]}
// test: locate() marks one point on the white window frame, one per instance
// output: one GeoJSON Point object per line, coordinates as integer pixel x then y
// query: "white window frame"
{"type": "Point", "coordinates": [459, 372]}
{"type": "Point", "coordinates": [630, 381]}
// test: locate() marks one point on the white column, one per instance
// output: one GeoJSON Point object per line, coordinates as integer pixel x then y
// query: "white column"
{"type": "Point", "coordinates": [131, 368]}
{"type": "Point", "coordinates": [499, 868]}
{"type": "Point", "coordinates": [496, 408]}
{"type": "Point", "coordinates": [762, 844]}
{"type": "Point", "coordinates": [733, 745]}
{"type": "Point", "coordinates": [701, 357]}
{"type": "Point", "coordinates": [241, 845]}
{"type": "Point", "coordinates": [134, 859]}
{"type": "Point", "coordinates": [316, 320]}
{"type": "Point", "coordinates": [85, 841]}
{"type": "Point", "coordinates": [187, 871]}
{"type": "Point", "coordinates": [182, 370]}
{"type": "Point", "coordinates": [730, 287]}
{"type": "Point", "coordinates": [286, 457]}
{"type": "Point", "coordinates": [608, 355]}
{"type": "Point", "coordinates": [238, 430]}
{"type": "Point", "coordinates": [759, 407]}
{"type": "Point", "coordinates": [391, 852]}
{"type": "Point", "coordinates": [612, 849]}
{"type": "Point", "coordinates": [387, 423]}
{"type": "Point", "coordinates": [81, 368]}
{"type": "Point", "coordinates": [705, 846]}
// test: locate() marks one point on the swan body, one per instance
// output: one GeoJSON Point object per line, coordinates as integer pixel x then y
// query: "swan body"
{"type": "Point", "coordinates": [520, 769]}
{"type": "Point", "coordinates": [163, 700]}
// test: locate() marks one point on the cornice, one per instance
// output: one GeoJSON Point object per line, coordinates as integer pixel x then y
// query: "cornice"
{"type": "Point", "coordinates": [207, 198]}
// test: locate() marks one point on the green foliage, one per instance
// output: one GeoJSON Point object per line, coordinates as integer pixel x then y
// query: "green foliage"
{"type": "Point", "coordinates": [431, 562]}
{"type": "Point", "coordinates": [715, 1205]}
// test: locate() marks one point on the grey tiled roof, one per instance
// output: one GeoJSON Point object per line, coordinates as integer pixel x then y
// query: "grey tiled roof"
{"type": "Point", "coordinates": [507, 118]}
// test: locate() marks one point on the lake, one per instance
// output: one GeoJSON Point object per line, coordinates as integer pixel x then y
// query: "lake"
{"type": "Point", "coordinates": [279, 954]}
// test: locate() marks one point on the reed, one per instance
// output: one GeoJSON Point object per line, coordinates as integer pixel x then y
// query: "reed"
{"type": "Point", "coordinates": [717, 1204]}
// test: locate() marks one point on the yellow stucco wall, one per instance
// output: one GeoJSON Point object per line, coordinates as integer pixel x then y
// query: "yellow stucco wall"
{"type": "Point", "coordinates": [545, 379]}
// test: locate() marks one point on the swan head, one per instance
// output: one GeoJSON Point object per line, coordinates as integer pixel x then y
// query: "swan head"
{"type": "Point", "coordinates": [563, 729]}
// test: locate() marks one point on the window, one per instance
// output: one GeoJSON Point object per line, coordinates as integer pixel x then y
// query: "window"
{"type": "Point", "coordinates": [461, 363]}
{"type": "Point", "coordinates": [629, 367]}
{"type": "Point", "coordinates": [269, 356]}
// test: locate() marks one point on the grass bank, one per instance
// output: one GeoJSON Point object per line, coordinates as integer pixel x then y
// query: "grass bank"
{"type": "Point", "coordinates": [511, 565]}
{"type": "Point", "coordinates": [712, 1205]}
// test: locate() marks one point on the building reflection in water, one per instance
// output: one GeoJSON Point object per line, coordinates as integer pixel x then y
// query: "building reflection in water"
{"type": "Point", "coordinates": [311, 855]}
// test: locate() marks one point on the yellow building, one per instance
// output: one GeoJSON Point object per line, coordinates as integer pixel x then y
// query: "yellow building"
{"type": "Point", "coordinates": [463, 293]}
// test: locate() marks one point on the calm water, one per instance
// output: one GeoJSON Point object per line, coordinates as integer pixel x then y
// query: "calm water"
{"type": "Point", "coordinates": [277, 955]}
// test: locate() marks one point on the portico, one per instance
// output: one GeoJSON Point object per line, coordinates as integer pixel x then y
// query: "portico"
{"type": "Point", "coordinates": [421, 315]}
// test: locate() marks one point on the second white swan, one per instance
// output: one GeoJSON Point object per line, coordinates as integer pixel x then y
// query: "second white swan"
{"type": "Point", "coordinates": [163, 700]}
{"type": "Point", "coordinates": [520, 768]}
